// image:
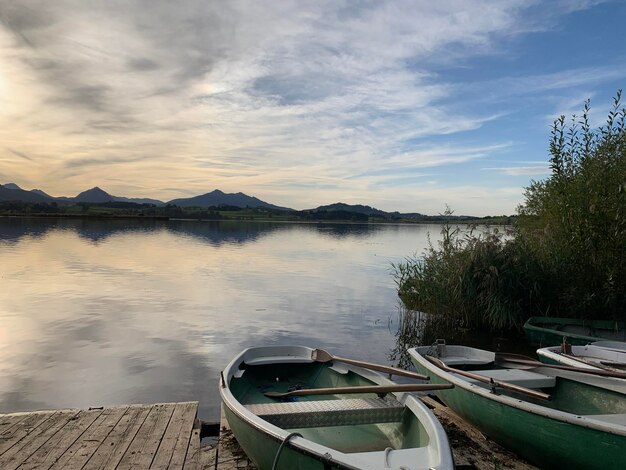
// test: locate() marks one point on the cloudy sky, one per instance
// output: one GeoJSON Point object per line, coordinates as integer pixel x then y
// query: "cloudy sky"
{"type": "Point", "coordinates": [404, 105]}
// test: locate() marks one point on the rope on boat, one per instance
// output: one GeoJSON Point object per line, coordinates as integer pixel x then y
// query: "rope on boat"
{"type": "Point", "coordinates": [388, 450]}
{"type": "Point", "coordinates": [280, 448]}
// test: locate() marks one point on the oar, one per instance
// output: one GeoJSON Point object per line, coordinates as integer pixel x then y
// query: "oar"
{"type": "Point", "coordinates": [379, 389]}
{"type": "Point", "coordinates": [606, 365]}
{"type": "Point", "coordinates": [520, 362]}
{"type": "Point", "coordinates": [489, 380]}
{"type": "Point", "coordinates": [320, 355]}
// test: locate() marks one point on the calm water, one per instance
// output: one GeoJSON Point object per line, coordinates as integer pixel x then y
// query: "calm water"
{"type": "Point", "coordinates": [110, 312]}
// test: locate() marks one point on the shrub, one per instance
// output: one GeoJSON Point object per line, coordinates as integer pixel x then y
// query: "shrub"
{"type": "Point", "coordinates": [567, 253]}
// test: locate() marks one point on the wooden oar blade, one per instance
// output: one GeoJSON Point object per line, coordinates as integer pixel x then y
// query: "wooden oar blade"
{"type": "Point", "coordinates": [319, 355]}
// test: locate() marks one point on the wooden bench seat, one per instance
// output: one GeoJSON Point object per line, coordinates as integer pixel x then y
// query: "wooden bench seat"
{"type": "Point", "coordinates": [523, 378]}
{"type": "Point", "coordinates": [349, 411]}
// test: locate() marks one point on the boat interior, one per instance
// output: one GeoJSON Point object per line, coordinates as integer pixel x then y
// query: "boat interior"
{"type": "Point", "coordinates": [350, 423]}
{"type": "Point", "coordinates": [582, 398]}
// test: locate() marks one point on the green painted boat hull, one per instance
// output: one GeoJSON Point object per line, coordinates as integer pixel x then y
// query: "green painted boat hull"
{"type": "Point", "coordinates": [262, 449]}
{"type": "Point", "coordinates": [543, 441]}
{"type": "Point", "coordinates": [348, 431]}
{"type": "Point", "coordinates": [550, 331]}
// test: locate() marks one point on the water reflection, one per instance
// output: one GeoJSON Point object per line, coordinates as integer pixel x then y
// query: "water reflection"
{"type": "Point", "coordinates": [214, 232]}
{"type": "Point", "coordinates": [108, 312]}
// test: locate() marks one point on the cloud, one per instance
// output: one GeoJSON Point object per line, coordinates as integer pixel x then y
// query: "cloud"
{"type": "Point", "coordinates": [91, 161]}
{"type": "Point", "coordinates": [537, 170]}
{"type": "Point", "coordinates": [247, 96]}
{"type": "Point", "coordinates": [20, 154]}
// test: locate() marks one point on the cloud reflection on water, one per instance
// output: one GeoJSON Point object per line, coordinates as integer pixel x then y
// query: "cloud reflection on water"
{"type": "Point", "coordinates": [107, 312]}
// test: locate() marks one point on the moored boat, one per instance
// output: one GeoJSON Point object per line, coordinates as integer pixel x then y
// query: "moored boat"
{"type": "Point", "coordinates": [553, 418]}
{"type": "Point", "coordinates": [615, 345]}
{"type": "Point", "coordinates": [336, 430]}
{"type": "Point", "coordinates": [550, 331]}
{"type": "Point", "coordinates": [590, 356]}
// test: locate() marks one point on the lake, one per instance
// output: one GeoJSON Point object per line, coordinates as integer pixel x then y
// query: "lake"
{"type": "Point", "coordinates": [104, 312]}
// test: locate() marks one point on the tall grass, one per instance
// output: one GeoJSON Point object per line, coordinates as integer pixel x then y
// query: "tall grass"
{"type": "Point", "coordinates": [473, 280]}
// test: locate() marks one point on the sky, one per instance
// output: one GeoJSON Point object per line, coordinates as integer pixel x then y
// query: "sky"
{"type": "Point", "coordinates": [403, 105]}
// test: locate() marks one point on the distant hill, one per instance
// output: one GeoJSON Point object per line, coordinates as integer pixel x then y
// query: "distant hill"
{"type": "Point", "coordinates": [356, 208]}
{"type": "Point", "coordinates": [218, 198]}
{"type": "Point", "coordinates": [41, 193]}
{"type": "Point", "coordinates": [367, 210]}
{"type": "Point", "coordinates": [93, 195]}
{"type": "Point", "coordinates": [9, 194]}
{"type": "Point", "coordinates": [98, 195]}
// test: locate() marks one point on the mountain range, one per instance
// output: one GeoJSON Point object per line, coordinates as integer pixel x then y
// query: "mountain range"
{"type": "Point", "coordinates": [96, 195]}
{"type": "Point", "coordinates": [216, 198]}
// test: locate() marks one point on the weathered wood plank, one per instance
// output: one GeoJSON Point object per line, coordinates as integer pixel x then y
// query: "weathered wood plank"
{"type": "Point", "coordinates": [228, 455]}
{"type": "Point", "coordinates": [113, 448]}
{"type": "Point", "coordinates": [146, 442]}
{"type": "Point", "coordinates": [44, 457]}
{"type": "Point", "coordinates": [21, 430]}
{"type": "Point", "coordinates": [192, 459]}
{"type": "Point", "coordinates": [10, 420]}
{"type": "Point", "coordinates": [15, 456]}
{"type": "Point", "coordinates": [173, 448]}
{"type": "Point", "coordinates": [76, 456]}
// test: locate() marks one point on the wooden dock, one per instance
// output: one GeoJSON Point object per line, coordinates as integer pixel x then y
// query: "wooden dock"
{"type": "Point", "coordinates": [160, 436]}
{"type": "Point", "coordinates": [226, 453]}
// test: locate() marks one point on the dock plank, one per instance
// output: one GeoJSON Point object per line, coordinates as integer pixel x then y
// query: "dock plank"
{"type": "Point", "coordinates": [8, 421]}
{"type": "Point", "coordinates": [192, 459]}
{"type": "Point", "coordinates": [226, 454]}
{"type": "Point", "coordinates": [76, 456]}
{"type": "Point", "coordinates": [15, 456]}
{"type": "Point", "coordinates": [44, 457]}
{"type": "Point", "coordinates": [21, 430]}
{"type": "Point", "coordinates": [146, 442]}
{"type": "Point", "coordinates": [113, 448]}
{"type": "Point", "coordinates": [173, 448]}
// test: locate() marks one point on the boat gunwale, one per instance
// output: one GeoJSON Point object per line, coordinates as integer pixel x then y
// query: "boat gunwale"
{"type": "Point", "coordinates": [570, 418]}
{"type": "Point", "coordinates": [437, 437]}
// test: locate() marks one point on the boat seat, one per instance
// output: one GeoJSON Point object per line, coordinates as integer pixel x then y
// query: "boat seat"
{"type": "Point", "coordinates": [464, 360]}
{"type": "Point", "coordinates": [310, 414]}
{"type": "Point", "coordinates": [616, 418]}
{"type": "Point", "coordinates": [523, 378]}
{"type": "Point", "coordinates": [261, 361]}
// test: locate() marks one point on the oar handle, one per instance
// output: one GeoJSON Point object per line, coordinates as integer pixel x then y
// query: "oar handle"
{"type": "Point", "coordinates": [381, 368]}
{"type": "Point", "coordinates": [530, 362]}
{"type": "Point", "coordinates": [488, 380]}
{"type": "Point", "coordinates": [380, 389]}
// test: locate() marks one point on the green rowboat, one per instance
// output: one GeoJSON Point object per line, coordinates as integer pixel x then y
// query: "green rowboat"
{"type": "Point", "coordinates": [550, 331]}
{"type": "Point", "coordinates": [582, 425]}
{"type": "Point", "coordinates": [336, 431]}
{"type": "Point", "coordinates": [590, 356]}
